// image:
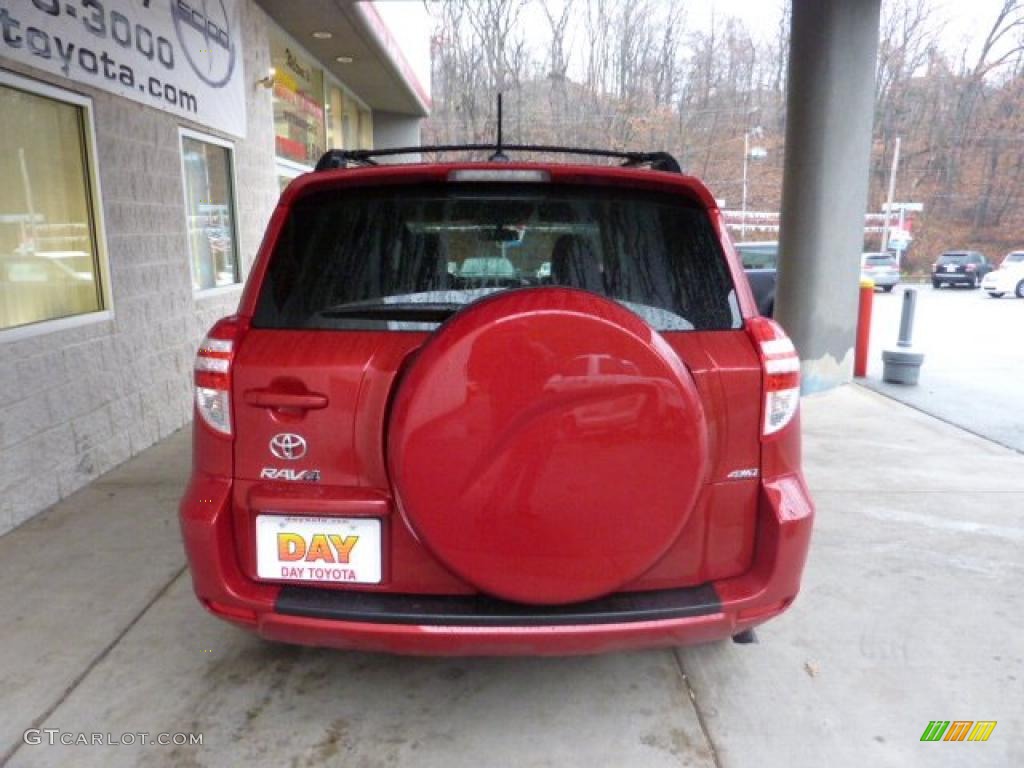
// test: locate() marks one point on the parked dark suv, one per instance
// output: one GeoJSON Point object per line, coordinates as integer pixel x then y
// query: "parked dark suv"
{"type": "Point", "coordinates": [960, 268]}
{"type": "Point", "coordinates": [496, 408]}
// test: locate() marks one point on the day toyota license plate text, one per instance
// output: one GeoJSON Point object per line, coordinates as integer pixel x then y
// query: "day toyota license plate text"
{"type": "Point", "coordinates": [338, 549]}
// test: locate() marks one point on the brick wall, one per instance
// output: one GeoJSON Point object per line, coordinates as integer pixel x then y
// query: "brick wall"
{"type": "Point", "coordinates": [75, 403]}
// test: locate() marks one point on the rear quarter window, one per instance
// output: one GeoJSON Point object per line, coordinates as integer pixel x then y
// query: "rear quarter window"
{"type": "Point", "coordinates": [406, 258]}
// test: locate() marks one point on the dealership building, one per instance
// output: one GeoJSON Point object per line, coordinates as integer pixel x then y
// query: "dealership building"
{"type": "Point", "coordinates": [143, 146]}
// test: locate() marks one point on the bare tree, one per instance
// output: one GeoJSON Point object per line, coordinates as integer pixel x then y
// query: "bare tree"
{"type": "Point", "coordinates": [631, 74]}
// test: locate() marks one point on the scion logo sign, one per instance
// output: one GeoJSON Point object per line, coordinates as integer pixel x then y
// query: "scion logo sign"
{"type": "Point", "coordinates": [180, 56]}
{"type": "Point", "coordinates": [204, 31]}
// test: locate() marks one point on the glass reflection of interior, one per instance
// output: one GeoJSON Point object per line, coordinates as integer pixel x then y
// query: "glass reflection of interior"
{"type": "Point", "coordinates": [48, 251]}
{"type": "Point", "coordinates": [210, 215]}
{"type": "Point", "coordinates": [299, 128]}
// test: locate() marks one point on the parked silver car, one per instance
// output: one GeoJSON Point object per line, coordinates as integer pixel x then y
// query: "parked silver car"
{"type": "Point", "coordinates": [882, 269]}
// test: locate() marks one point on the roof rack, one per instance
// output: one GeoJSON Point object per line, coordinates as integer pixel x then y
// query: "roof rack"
{"type": "Point", "coordinates": [342, 158]}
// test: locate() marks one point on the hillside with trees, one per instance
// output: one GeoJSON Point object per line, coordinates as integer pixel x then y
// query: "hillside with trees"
{"type": "Point", "coordinates": [632, 74]}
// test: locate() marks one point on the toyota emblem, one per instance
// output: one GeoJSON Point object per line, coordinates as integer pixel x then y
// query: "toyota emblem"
{"type": "Point", "coordinates": [288, 446]}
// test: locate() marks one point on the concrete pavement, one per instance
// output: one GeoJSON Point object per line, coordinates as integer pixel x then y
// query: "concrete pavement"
{"type": "Point", "coordinates": [910, 613]}
{"type": "Point", "coordinates": [911, 606]}
{"type": "Point", "coordinates": [974, 359]}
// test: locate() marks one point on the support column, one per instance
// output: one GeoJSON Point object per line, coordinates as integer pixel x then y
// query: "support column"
{"type": "Point", "coordinates": [391, 129]}
{"type": "Point", "coordinates": [830, 102]}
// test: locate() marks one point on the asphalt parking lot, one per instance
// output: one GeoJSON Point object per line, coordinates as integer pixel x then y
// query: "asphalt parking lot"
{"type": "Point", "coordinates": [910, 613]}
{"type": "Point", "coordinates": [974, 358]}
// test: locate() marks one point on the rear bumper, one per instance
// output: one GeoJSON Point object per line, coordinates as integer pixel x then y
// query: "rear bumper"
{"type": "Point", "coordinates": [1001, 283]}
{"type": "Point", "coordinates": [478, 626]}
{"type": "Point", "coordinates": [882, 281]}
{"type": "Point", "coordinates": [943, 277]}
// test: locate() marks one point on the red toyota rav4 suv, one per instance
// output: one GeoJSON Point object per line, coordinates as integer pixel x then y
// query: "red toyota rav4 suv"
{"type": "Point", "coordinates": [496, 408]}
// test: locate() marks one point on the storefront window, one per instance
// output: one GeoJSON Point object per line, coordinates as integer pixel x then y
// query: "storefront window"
{"type": "Point", "coordinates": [300, 132]}
{"type": "Point", "coordinates": [350, 124]}
{"type": "Point", "coordinates": [210, 212]}
{"type": "Point", "coordinates": [335, 117]}
{"type": "Point", "coordinates": [365, 129]}
{"type": "Point", "coordinates": [48, 247]}
{"type": "Point", "coordinates": [285, 173]}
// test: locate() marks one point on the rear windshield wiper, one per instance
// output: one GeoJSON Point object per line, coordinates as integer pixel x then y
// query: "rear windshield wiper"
{"type": "Point", "coordinates": [409, 311]}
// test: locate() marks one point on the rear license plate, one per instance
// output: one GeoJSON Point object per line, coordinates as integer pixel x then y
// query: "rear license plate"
{"type": "Point", "coordinates": [951, 269]}
{"type": "Point", "coordinates": [334, 549]}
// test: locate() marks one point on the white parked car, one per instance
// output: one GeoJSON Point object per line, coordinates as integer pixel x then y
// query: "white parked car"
{"type": "Point", "coordinates": [1009, 278]}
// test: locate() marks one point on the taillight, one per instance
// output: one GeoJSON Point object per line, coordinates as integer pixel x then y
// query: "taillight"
{"type": "Point", "coordinates": [781, 366]}
{"type": "Point", "coordinates": [971, 267]}
{"type": "Point", "coordinates": [213, 374]}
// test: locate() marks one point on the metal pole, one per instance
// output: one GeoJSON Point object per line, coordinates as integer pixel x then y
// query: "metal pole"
{"type": "Point", "coordinates": [889, 198]}
{"type": "Point", "coordinates": [746, 155]}
{"type": "Point", "coordinates": [907, 318]}
{"type": "Point", "coordinates": [903, 364]}
{"type": "Point", "coordinates": [903, 227]}
{"type": "Point", "coordinates": [860, 349]}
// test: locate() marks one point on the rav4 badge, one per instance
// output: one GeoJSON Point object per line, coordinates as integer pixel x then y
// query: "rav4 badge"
{"type": "Point", "coordinates": [294, 475]}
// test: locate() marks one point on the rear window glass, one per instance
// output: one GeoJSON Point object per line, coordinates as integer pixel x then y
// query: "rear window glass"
{"type": "Point", "coordinates": [1015, 257]}
{"type": "Point", "coordinates": [880, 261]}
{"type": "Point", "coordinates": [953, 258]}
{"type": "Point", "coordinates": [406, 258]}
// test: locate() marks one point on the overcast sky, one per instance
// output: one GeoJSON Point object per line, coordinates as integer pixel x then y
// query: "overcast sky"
{"type": "Point", "coordinates": [960, 21]}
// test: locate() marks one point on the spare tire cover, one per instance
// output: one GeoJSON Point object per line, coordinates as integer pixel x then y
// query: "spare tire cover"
{"type": "Point", "coordinates": [546, 445]}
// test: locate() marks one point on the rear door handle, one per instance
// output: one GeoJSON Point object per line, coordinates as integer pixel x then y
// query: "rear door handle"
{"type": "Point", "coordinates": [270, 398]}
